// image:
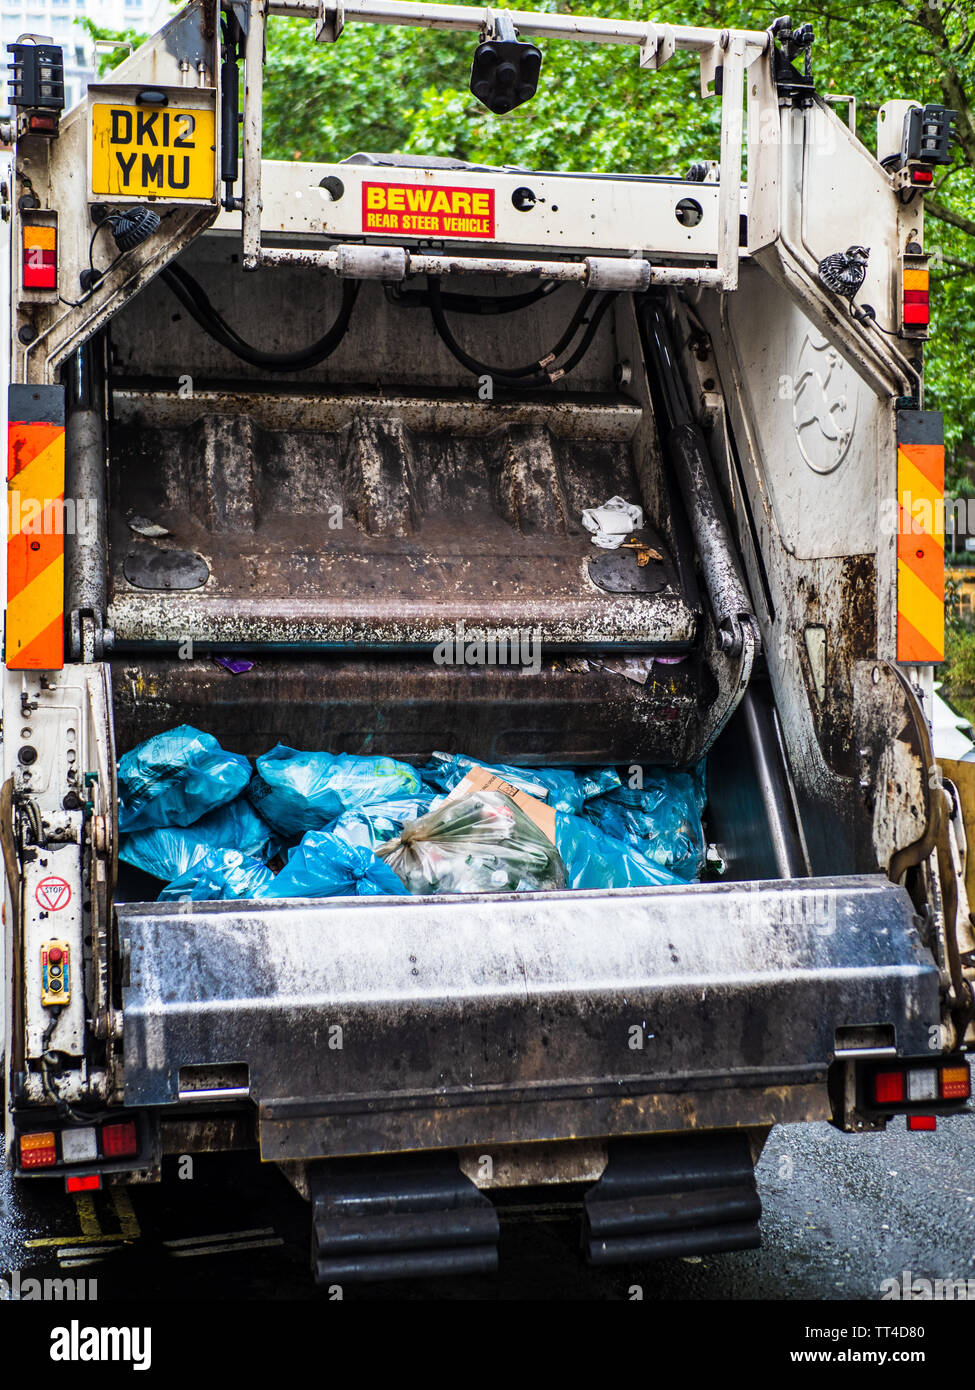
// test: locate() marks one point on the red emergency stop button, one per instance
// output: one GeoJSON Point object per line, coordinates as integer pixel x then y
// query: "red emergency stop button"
{"type": "Point", "coordinates": [55, 955]}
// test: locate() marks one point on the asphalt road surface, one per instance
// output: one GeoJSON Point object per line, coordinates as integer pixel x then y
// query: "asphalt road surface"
{"type": "Point", "coordinates": [842, 1214]}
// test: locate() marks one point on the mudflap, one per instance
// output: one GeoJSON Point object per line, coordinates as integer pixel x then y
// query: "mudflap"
{"type": "Point", "coordinates": [404, 1217]}
{"type": "Point", "coordinates": [367, 1026]}
{"type": "Point", "coordinates": [672, 1196]}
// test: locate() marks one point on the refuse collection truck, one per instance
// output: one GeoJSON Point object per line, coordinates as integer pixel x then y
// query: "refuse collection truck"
{"type": "Point", "coordinates": [282, 436]}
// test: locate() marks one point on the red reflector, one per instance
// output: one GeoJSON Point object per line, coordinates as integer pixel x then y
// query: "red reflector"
{"type": "Point", "coordinates": [926, 1122]}
{"type": "Point", "coordinates": [915, 296]}
{"type": "Point", "coordinates": [888, 1087]}
{"type": "Point", "coordinates": [38, 122]}
{"type": "Point", "coordinates": [922, 176]}
{"type": "Point", "coordinates": [120, 1141]}
{"type": "Point", "coordinates": [917, 313]}
{"type": "Point", "coordinates": [91, 1183]}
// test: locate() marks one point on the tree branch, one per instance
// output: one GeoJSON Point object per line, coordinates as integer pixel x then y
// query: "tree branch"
{"type": "Point", "coordinates": [961, 267]}
{"type": "Point", "coordinates": [954, 219]}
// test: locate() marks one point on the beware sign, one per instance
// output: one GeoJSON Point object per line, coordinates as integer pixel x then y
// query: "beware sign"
{"type": "Point", "coordinates": [426, 210]}
{"type": "Point", "coordinates": [53, 893]}
{"type": "Point", "coordinates": [141, 151]}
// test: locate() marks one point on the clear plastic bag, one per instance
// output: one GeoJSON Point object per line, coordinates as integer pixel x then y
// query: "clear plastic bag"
{"type": "Point", "coordinates": [169, 852]}
{"type": "Point", "coordinates": [478, 843]}
{"type": "Point", "coordinates": [325, 866]}
{"type": "Point", "coordinates": [561, 787]}
{"type": "Point", "coordinates": [176, 777]}
{"type": "Point", "coordinates": [594, 859]}
{"type": "Point", "coordinates": [661, 819]}
{"type": "Point", "coordinates": [296, 791]}
{"type": "Point", "coordinates": [372, 826]}
{"type": "Point", "coordinates": [221, 873]}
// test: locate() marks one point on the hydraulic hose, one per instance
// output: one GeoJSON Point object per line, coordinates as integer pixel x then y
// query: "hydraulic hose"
{"type": "Point", "coordinates": [486, 304]}
{"type": "Point", "coordinates": [533, 373]}
{"type": "Point", "coordinates": [193, 298]}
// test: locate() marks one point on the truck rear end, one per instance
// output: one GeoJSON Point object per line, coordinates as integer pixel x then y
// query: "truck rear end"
{"type": "Point", "coordinates": [337, 425]}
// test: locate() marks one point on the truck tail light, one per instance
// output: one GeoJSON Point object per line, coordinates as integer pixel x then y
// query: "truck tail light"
{"type": "Point", "coordinates": [917, 310]}
{"type": "Point", "coordinates": [913, 1085]}
{"type": "Point", "coordinates": [915, 287]}
{"type": "Point", "coordinates": [922, 1122]}
{"type": "Point", "coordinates": [916, 295]}
{"type": "Point", "coordinates": [956, 1083]}
{"type": "Point", "coordinates": [889, 1087]}
{"type": "Point", "coordinates": [40, 265]}
{"type": "Point", "coordinates": [79, 1145]}
{"type": "Point", "coordinates": [923, 1083]}
{"type": "Point", "coordinates": [38, 1150]}
{"type": "Point", "coordinates": [120, 1140]}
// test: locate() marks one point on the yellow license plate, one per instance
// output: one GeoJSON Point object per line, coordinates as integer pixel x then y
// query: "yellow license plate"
{"type": "Point", "coordinates": [138, 151]}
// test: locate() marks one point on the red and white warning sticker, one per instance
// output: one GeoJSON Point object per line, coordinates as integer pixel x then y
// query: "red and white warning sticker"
{"type": "Point", "coordinates": [425, 210]}
{"type": "Point", "coordinates": [53, 893]}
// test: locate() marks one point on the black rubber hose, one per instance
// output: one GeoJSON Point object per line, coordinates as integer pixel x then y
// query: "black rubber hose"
{"type": "Point", "coordinates": [590, 333]}
{"type": "Point", "coordinates": [504, 374]}
{"type": "Point", "coordinates": [193, 298]}
{"type": "Point", "coordinates": [472, 303]}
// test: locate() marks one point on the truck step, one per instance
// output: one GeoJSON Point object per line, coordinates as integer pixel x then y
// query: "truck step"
{"type": "Point", "coordinates": [404, 1217]}
{"type": "Point", "coordinates": [676, 1195]}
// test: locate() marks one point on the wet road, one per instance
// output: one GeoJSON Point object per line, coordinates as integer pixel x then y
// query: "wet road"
{"type": "Point", "coordinates": [841, 1215]}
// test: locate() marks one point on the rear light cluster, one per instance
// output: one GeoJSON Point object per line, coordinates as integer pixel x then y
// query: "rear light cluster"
{"type": "Point", "coordinates": [40, 263]}
{"type": "Point", "coordinates": [84, 1144]}
{"type": "Point", "coordinates": [901, 1087]}
{"type": "Point", "coordinates": [917, 307]}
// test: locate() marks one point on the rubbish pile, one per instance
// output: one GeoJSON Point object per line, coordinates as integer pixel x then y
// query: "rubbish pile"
{"type": "Point", "coordinates": [208, 825]}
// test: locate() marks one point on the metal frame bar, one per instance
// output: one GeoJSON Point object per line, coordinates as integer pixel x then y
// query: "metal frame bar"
{"type": "Point", "coordinates": [732, 50]}
{"type": "Point", "coordinates": [471, 18]}
{"type": "Point", "coordinates": [396, 263]}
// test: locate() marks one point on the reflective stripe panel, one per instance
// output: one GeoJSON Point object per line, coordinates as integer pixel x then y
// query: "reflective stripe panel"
{"type": "Point", "coordinates": [35, 529]}
{"type": "Point", "coordinates": [920, 538]}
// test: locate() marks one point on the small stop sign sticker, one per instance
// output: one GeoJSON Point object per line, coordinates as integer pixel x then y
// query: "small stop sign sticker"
{"type": "Point", "coordinates": [53, 893]}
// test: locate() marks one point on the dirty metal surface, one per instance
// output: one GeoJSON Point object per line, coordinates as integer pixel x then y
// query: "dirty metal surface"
{"type": "Point", "coordinates": [406, 708]}
{"type": "Point", "coordinates": [376, 529]}
{"type": "Point", "coordinates": [155, 567]}
{"type": "Point", "coordinates": [638, 566]}
{"type": "Point", "coordinates": [517, 1012]}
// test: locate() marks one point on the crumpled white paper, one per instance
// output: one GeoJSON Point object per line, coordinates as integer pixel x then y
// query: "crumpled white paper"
{"type": "Point", "coordinates": [612, 522]}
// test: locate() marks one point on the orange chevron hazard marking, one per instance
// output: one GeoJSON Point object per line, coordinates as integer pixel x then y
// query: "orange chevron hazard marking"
{"type": "Point", "coordinates": [920, 553]}
{"type": "Point", "coordinates": [35, 546]}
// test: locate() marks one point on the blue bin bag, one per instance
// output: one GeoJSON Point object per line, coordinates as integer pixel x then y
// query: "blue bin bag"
{"type": "Point", "coordinates": [221, 873]}
{"type": "Point", "coordinates": [168, 854]}
{"type": "Point", "coordinates": [561, 787]}
{"type": "Point", "coordinates": [594, 859]}
{"type": "Point", "coordinates": [324, 866]}
{"type": "Point", "coordinates": [661, 819]}
{"type": "Point", "coordinates": [177, 777]}
{"type": "Point", "coordinates": [375, 825]}
{"type": "Point", "coordinates": [297, 791]}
